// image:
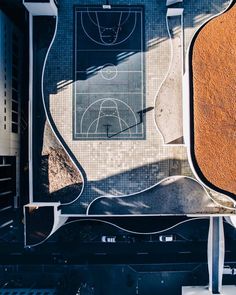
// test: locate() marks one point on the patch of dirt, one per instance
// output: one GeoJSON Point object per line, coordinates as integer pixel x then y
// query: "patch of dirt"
{"type": "Point", "coordinates": [61, 171]}
{"type": "Point", "coordinates": [214, 85]}
{"type": "Point", "coordinates": [60, 178]}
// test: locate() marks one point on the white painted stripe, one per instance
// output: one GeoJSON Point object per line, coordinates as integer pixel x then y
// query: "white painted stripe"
{"type": "Point", "coordinates": [6, 224]}
{"type": "Point", "coordinates": [5, 179]}
{"type": "Point", "coordinates": [5, 193]}
{"type": "Point", "coordinates": [5, 208]}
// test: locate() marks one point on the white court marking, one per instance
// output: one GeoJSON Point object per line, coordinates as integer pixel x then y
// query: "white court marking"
{"type": "Point", "coordinates": [102, 100]}
{"type": "Point", "coordinates": [108, 44]}
{"type": "Point", "coordinates": [101, 33]}
{"type": "Point", "coordinates": [91, 19]}
{"type": "Point", "coordinates": [102, 111]}
{"type": "Point", "coordinates": [112, 116]}
{"type": "Point", "coordinates": [136, 14]}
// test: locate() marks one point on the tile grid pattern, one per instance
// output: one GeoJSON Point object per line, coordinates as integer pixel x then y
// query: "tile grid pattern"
{"type": "Point", "coordinates": [113, 168]}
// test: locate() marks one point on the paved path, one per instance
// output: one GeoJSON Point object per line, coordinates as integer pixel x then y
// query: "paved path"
{"type": "Point", "coordinates": [174, 195]}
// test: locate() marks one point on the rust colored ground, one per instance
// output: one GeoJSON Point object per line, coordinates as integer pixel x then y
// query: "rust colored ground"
{"type": "Point", "coordinates": [214, 86]}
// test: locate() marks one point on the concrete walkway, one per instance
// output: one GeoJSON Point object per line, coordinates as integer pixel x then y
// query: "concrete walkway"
{"type": "Point", "coordinates": [173, 195]}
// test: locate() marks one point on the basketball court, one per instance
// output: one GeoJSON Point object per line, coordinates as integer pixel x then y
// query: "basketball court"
{"type": "Point", "coordinates": [109, 97]}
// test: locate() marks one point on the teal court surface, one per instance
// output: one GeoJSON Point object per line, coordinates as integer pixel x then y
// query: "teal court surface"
{"type": "Point", "coordinates": [109, 94]}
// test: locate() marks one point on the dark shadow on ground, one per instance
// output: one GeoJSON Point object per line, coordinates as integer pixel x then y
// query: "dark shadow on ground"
{"type": "Point", "coordinates": [39, 223]}
{"type": "Point", "coordinates": [176, 195]}
{"type": "Point", "coordinates": [43, 32]}
{"type": "Point", "coordinates": [64, 195]}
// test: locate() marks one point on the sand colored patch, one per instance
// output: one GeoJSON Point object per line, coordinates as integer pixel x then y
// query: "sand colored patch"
{"type": "Point", "coordinates": [60, 179]}
{"type": "Point", "coordinates": [214, 85]}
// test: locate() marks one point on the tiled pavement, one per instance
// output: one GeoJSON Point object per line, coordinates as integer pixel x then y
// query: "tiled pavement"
{"type": "Point", "coordinates": [121, 167]}
{"type": "Point", "coordinates": [169, 106]}
{"type": "Point", "coordinates": [174, 195]}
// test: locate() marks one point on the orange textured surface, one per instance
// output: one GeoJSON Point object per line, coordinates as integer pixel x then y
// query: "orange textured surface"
{"type": "Point", "coordinates": [214, 86]}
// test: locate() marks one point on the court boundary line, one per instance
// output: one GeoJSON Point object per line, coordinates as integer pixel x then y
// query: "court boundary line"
{"type": "Point", "coordinates": [142, 39]}
{"type": "Point", "coordinates": [78, 20]}
{"type": "Point", "coordinates": [138, 13]}
{"type": "Point", "coordinates": [105, 11]}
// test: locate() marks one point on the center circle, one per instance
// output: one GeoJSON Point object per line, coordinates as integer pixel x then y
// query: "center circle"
{"type": "Point", "coordinates": [109, 71]}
